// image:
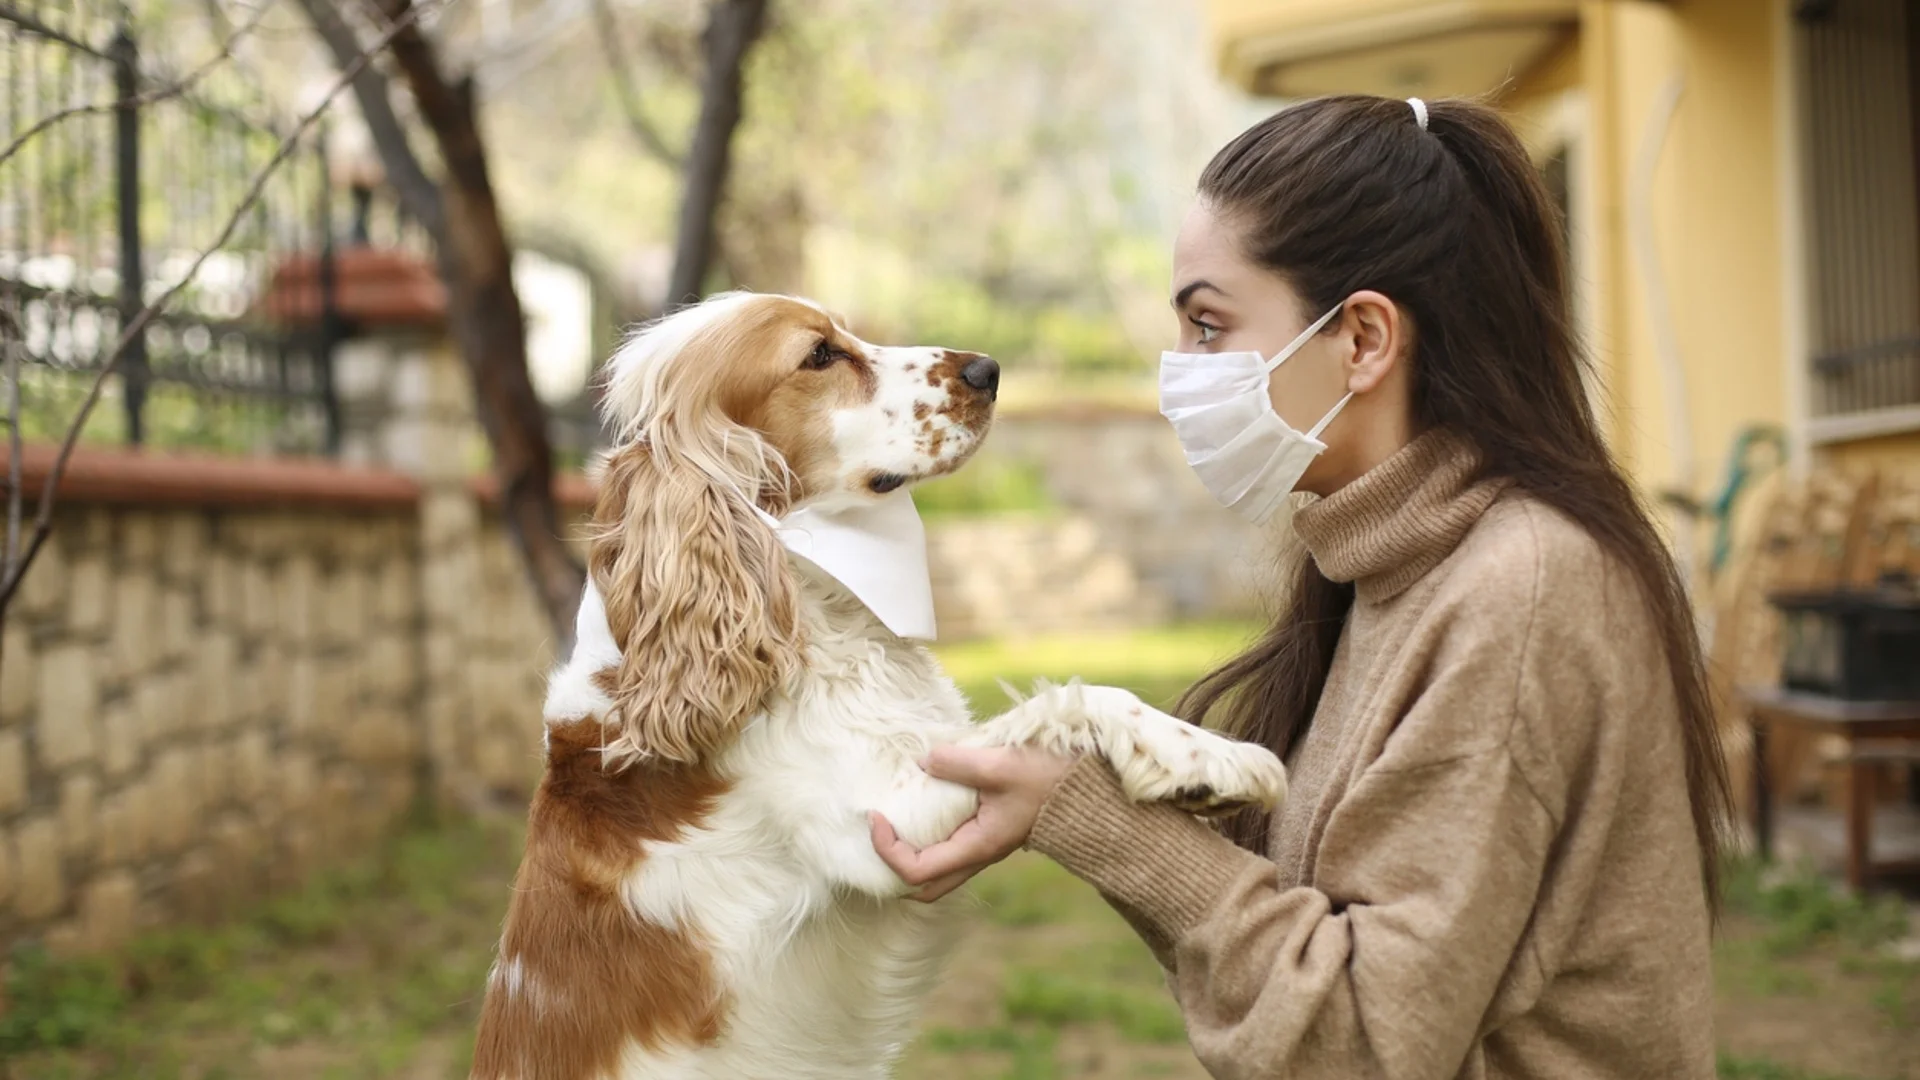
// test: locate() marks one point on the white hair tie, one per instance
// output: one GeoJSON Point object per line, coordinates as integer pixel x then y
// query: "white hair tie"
{"type": "Point", "coordinates": [1419, 112]}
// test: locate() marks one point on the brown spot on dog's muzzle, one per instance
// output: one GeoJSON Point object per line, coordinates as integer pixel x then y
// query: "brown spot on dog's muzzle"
{"type": "Point", "coordinates": [972, 383]}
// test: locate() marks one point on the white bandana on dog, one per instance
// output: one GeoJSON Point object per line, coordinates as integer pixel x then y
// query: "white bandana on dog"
{"type": "Point", "coordinates": [877, 550]}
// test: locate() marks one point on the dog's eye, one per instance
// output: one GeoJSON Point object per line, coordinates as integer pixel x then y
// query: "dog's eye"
{"type": "Point", "coordinates": [822, 357]}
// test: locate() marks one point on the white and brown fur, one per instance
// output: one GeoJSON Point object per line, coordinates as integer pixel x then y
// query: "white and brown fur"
{"type": "Point", "coordinates": [699, 896]}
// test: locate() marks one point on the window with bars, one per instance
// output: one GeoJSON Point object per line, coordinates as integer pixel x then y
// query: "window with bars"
{"type": "Point", "coordinates": [1859, 82]}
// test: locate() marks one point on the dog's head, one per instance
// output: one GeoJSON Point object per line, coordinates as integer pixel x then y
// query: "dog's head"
{"type": "Point", "coordinates": [747, 401]}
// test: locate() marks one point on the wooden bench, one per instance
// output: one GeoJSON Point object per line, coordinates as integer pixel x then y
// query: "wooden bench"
{"type": "Point", "coordinates": [1875, 732]}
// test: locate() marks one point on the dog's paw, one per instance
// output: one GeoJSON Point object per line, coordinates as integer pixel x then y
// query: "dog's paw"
{"type": "Point", "coordinates": [1197, 770]}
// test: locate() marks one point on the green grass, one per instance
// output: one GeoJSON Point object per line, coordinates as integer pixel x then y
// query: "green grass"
{"type": "Point", "coordinates": [1052, 999]}
{"type": "Point", "coordinates": [1791, 934]}
{"type": "Point", "coordinates": [1794, 913]}
{"type": "Point", "coordinates": [1156, 664]}
{"type": "Point", "coordinates": [1741, 1068]}
{"type": "Point", "coordinates": [1062, 972]}
{"type": "Point", "coordinates": [1027, 1051]}
{"type": "Point", "coordinates": [1027, 892]}
{"type": "Point", "coordinates": [1802, 909]}
{"type": "Point", "coordinates": [361, 966]}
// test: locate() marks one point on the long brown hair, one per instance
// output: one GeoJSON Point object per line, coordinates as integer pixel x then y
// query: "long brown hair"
{"type": "Point", "coordinates": [1453, 223]}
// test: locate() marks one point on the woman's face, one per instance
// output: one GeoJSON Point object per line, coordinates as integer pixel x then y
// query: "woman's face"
{"type": "Point", "coordinates": [1227, 303]}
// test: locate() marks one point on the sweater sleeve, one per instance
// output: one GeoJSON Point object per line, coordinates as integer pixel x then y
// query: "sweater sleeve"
{"type": "Point", "coordinates": [1161, 948]}
{"type": "Point", "coordinates": [1385, 968]}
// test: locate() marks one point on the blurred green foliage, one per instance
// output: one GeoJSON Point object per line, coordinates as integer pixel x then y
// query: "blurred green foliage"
{"type": "Point", "coordinates": [1155, 663]}
{"type": "Point", "coordinates": [993, 486]}
{"type": "Point", "coordinates": [1060, 339]}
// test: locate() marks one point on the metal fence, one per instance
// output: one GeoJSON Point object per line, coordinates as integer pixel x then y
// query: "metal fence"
{"type": "Point", "coordinates": [103, 211]}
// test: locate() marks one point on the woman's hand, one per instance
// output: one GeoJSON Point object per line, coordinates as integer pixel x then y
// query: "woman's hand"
{"type": "Point", "coordinates": [1013, 782]}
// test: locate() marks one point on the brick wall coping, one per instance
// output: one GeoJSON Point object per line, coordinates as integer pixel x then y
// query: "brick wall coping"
{"type": "Point", "coordinates": [136, 477]}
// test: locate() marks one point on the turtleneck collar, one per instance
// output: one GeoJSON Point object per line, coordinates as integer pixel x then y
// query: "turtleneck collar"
{"type": "Point", "coordinates": [1384, 531]}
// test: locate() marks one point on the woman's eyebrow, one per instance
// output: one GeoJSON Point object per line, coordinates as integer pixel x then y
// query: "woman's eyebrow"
{"type": "Point", "coordinates": [1186, 292]}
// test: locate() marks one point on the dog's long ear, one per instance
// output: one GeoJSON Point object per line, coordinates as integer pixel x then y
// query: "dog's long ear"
{"type": "Point", "coordinates": [697, 592]}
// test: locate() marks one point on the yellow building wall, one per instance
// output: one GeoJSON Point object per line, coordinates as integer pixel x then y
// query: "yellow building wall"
{"type": "Point", "coordinates": [1715, 208]}
{"type": "Point", "coordinates": [1724, 239]}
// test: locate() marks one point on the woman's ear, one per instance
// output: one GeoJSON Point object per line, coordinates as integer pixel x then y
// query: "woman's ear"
{"type": "Point", "coordinates": [1380, 335]}
{"type": "Point", "coordinates": [698, 597]}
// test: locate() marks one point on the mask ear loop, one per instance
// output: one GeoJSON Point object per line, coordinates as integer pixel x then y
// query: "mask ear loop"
{"type": "Point", "coordinates": [1302, 340]}
{"type": "Point", "coordinates": [1294, 345]}
{"type": "Point", "coordinates": [1328, 419]}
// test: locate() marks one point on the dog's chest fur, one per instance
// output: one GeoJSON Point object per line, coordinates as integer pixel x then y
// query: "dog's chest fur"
{"type": "Point", "coordinates": [778, 883]}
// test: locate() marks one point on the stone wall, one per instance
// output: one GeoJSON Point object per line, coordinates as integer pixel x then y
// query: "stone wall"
{"type": "Point", "coordinates": [221, 674]}
{"type": "Point", "coordinates": [202, 703]}
{"type": "Point", "coordinates": [1023, 575]}
{"type": "Point", "coordinates": [199, 705]}
{"type": "Point", "coordinates": [488, 651]}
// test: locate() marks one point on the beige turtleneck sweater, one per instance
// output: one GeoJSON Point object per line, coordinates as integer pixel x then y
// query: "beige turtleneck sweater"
{"type": "Point", "coordinates": [1486, 866]}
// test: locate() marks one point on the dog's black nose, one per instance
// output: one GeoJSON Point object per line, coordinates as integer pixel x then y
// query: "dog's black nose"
{"type": "Point", "coordinates": [982, 374]}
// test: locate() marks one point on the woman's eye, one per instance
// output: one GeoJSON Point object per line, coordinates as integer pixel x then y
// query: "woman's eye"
{"type": "Point", "coordinates": [1208, 332]}
{"type": "Point", "coordinates": [822, 357]}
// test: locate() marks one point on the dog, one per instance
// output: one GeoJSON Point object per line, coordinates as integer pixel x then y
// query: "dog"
{"type": "Point", "coordinates": [699, 895]}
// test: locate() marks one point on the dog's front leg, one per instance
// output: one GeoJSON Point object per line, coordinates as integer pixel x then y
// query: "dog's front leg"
{"type": "Point", "coordinates": [1158, 758]}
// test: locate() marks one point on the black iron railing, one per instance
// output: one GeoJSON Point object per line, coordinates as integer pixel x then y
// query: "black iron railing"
{"type": "Point", "coordinates": [102, 211]}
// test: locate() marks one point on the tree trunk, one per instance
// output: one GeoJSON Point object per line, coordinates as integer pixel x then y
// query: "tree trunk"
{"type": "Point", "coordinates": [476, 259]}
{"type": "Point", "coordinates": [732, 27]}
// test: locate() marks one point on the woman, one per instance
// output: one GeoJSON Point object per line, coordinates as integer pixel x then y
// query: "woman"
{"type": "Point", "coordinates": [1498, 855]}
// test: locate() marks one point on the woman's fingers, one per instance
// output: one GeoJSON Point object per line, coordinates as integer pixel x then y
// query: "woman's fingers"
{"type": "Point", "coordinates": [970, 848]}
{"type": "Point", "coordinates": [899, 855]}
{"type": "Point", "coordinates": [934, 890]}
{"type": "Point", "coordinates": [983, 768]}
{"type": "Point", "coordinates": [895, 852]}
{"type": "Point", "coordinates": [1012, 782]}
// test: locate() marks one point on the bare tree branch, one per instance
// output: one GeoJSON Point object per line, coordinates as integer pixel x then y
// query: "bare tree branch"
{"type": "Point", "coordinates": [149, 97]}
{"type": "Point", "coordinates": [15, 468]}
{"type": "Point", "coordinates": [418, 194]}
{"type": "Point", "coordinates": [732, 28]}
{"type": "Point", "coordinates": [13, 344]}
{"type": "Point", "coordinates": [43, 518]}
{"type": "Point", "coordinates": [21, 18]}
{"type": "Point", "coordinates": [248, 73]}
{"type": "Point", "coordinates": [217, 15]}
{"type": "Point", "coordinates": [613, 45]}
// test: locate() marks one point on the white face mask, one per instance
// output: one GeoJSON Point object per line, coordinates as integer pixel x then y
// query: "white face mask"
{"type": "Point", "coordinates": [1245, 454]}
